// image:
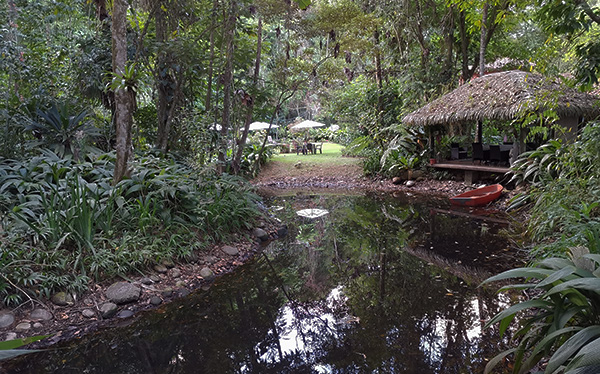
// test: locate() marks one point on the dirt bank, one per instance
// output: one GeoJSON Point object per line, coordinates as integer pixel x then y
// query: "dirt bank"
{"type": "Point", "coordinates": [279, 177]}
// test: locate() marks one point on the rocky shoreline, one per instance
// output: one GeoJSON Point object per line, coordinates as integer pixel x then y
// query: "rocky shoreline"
{"type": "Point", "coordinates": [65, 317]}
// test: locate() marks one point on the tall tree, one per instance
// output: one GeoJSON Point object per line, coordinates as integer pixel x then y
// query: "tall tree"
{"type": "Point", "coordinates": [483, 43]}
{"type": "Point", "coordinates": [248, 101]}
{"type": "Point", "coordinates": [164, 81]}
{"type": "Point", "coordinates": [227, 78]}
{"type": "Point", "coordinates": [124, 95]}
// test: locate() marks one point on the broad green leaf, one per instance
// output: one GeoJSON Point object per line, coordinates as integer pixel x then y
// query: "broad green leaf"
{"type": "Point", "coordinates": [520, 273]}
{"type": "Point", "coordinates": [555, 263]}
{"type": "Point", "coordinates": [550, 339]}
{"type": "Point", "coordinates": [593, 256]}
{"type": "Point", "coordinates": [134, 188]}
{"type": "Point", "coordinates": [16, 343]}
{"type": "Point", "coordinates": [524, 286]}
{"type": "Point", "coordinates": [509, 312]}
{"type": "Point", "coordinates": [505, 323]}
{"type": "Point", "coordinates": [565, 316]}
{"type": "Point", "coordinates": [494, 361]}
{"type": "Point", "coordinates": [11, 353]}
{"type": "Point", "coordinates": [571, 346]}
{"type": "Point", "coordinates": [589, 284]}
{"type": "Point", "coordinates": [559, 274]}
{"type": "Point", "coordinates": [588, 355]}
{"type": "Point", "coordinates": [593, 369]}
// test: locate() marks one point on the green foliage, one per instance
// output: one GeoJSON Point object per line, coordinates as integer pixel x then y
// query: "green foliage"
{"type": "Point", "coordinates": [564, 190]}
{"type": "Point", "coordinates": [229, 204]}
{"type": "Point", "coordinates": [561, 325]}
{"type": "Point", "coordinates": [8, 347]}
{"type": "Point", "coordinates": [371, 163]}
{"type": "Point", "coordinates": [404, 152]}
{"type": "Point", "coordinates": [64, 222]}
{"type": "Point", "coordinates": [539, 166]}
{"type": "Point", "coordinates": [571, 18]}
{"type": "Point", "coordinates": [586, 53]}
{"type": "Point", "coordinates": [63, 133]}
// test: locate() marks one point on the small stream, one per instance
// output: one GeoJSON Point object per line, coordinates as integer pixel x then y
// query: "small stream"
{"type": "Point", "coordinates": [375, 285]}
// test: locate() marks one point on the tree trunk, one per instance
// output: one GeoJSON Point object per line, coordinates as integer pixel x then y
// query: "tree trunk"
{"type": "Point", "coordinates": [250, 105]}
{"type": "Point", "coordinates": [227, 83]}
{"type": "Point", "coordinates": [449, 45]}
{"type": "Point", "coordinates": [101, 12]}
{"type": "Point", "coordinates": [163, 82]}
{"type": "Point", "coordinates": [209, 78]}
{"type": "Point", "coordinates": [123, 97]}
{"type": "Point", "coordinates": [378, 78]}
{"type": "Point", "coordinates": [464, 48]}
{"type": "Point", "coordinates": [483, 42]}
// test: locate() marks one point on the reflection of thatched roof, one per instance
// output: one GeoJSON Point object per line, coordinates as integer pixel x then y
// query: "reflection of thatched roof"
{"type": "Point", "coordinates": [505, 96]}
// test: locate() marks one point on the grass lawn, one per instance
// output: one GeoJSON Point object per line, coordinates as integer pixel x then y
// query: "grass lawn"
{"type": "Point", "coordinates": [332, 155]}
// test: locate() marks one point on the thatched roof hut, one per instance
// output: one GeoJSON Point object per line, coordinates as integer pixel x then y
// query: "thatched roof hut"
{"type": "Point", "coordinates": [505, 96]}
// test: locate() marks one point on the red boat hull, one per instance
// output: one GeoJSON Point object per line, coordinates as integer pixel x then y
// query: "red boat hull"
{"type": "Point", "coordinates": [479, 196]}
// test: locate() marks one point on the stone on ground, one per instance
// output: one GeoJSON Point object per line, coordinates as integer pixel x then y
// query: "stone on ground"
{"type": "Point", "coordinates": [125, 314]}
{"type": "Point", "coordinates": [107, 310]}
{"type": "Point", "coordinates": [207, 274]}
{"type": "Point", "coordinates": [160, 268]}
{"type": "Point", "coordinates": [155, 300]}
{"type": "Point", "coordinates": [23, 326]}
{"type": "Point", "coordinates": [88, 313]}
{"type": "Point", "coordinates": [261, 234]}
{"type": "Point", "coordinates": [41, 315]}
{"type": "Point", "coordinates": [62, 299]}
{"type": "Point", "coordinates": [123, 292]}
{"type": "Point", "coordinates": [232, 251]}
{"type": "Point", "coordinates": [6, 318]}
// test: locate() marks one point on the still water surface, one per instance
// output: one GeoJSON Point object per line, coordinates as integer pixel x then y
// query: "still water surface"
{"type": "Point", "coordinates": [377, 285]}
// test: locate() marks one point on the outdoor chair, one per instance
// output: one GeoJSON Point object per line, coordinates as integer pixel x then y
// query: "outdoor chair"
{"type": "Point", "coordinates": [495, 155]}
{"type": "Point", "coordinates": [456, 152]}
{"type": "Point", "coordinates": [318, 147]}
{"type": "Point", "coordinates": [477, 152]}
{"type": "Point", "coordinates": [299, 148]}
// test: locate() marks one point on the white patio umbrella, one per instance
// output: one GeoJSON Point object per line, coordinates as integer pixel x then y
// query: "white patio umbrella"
{"type": "Point", "coordinates": [306, 125]}
{"type": "Point", "coordinates": [261, 126]}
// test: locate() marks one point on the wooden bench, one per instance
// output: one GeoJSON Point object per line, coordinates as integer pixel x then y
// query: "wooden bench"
{"type": "Point", "coordinates": [471, 171]}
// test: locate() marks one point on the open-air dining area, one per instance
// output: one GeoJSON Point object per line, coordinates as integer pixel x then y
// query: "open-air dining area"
{"type": "Point", "coordinates": [502, 101]}
{"type": "Point", "coordinates": [488, 154]}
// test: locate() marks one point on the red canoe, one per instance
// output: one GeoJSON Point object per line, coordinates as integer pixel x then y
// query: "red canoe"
{"type": "Point", "coordinates": [479, 196]}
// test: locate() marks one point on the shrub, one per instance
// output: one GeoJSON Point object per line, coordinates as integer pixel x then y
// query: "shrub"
{"type": "Point", "coordinates": [562, 323]}
{"type": "Point", "coordinates": [64, 222]}
{"type": "Point", "coordinates": [564, 190]}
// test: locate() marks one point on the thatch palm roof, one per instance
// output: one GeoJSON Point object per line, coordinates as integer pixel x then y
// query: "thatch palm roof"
{"type": "Point", "coordinates": [505, 96]}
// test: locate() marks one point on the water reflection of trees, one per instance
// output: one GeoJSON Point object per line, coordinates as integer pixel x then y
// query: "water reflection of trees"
{"type": "Point", "coordinates": [413, 317]}
{"type": "Point", "coordinates": [340, 295]}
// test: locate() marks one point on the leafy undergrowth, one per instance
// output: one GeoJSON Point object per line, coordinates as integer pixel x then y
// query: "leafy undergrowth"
{"type": "Point", "coordinates": [64, 223]}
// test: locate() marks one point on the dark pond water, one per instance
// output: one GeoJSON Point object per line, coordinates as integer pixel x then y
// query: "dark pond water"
{"type": "Point", "coordinates": [377, 285]}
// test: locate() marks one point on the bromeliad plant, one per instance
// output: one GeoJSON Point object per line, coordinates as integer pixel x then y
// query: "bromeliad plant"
{"type": "Point", "coordinates": [562, 325]}
{"type": "Point", "coordinates": [68, 135]}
